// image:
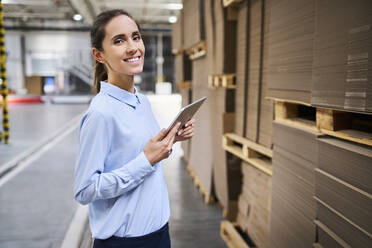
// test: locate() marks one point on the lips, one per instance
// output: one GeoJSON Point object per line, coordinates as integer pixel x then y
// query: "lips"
{"type": "Point", "coordinates": [133, 59]}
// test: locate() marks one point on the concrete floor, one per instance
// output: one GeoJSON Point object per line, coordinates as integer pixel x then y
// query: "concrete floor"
{"type": "Point", "coordinates": [37, 206]}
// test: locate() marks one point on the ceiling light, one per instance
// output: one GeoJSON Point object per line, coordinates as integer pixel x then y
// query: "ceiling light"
{"type": "Point", "coordinates": [77, 17]}
{"type": "Point", "coordinates": [172, 19]}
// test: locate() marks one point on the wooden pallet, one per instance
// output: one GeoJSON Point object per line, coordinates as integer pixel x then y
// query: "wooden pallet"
{"type": "Point", "coordinates": [186, 85]}
{"type": "Point", "coordinates": [227, 3]}
{"type": "Point", "coordinates": [222, 81]}
{"type": "Point", "coordinates": [197, 51]}
{"type": "Point", "coordinates": [208, 198]}
{"type": "Point", "coordinates": [231, 236]}
{"type": "Point", "coordinates": [253, 153]}
{"type": "Point", "coordinates": [345, 125]}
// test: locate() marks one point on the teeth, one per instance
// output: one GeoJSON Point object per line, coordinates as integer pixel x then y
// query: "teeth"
{"type": "Point", "coordinates": [133, 59]}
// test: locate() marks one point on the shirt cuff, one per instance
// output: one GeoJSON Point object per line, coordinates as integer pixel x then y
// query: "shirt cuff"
{"type": "Point", "coordinates": [139, 167]}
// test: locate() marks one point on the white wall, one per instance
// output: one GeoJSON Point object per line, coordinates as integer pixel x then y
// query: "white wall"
{"type": "Point", "coordinates": [14, 69]}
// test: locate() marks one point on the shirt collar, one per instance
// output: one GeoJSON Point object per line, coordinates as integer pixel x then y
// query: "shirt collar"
{"type": "Point", "coordinates": [124, 96]}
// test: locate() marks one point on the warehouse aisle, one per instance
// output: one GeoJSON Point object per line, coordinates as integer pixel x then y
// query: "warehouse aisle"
{"type": "Point", "coordinates": [37, 204]}
{"type": "Point", "coordinates": [31, 124]}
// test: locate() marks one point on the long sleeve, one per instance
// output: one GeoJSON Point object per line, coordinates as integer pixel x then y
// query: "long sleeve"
{"type": "Point", "coordinates": [91, 181]}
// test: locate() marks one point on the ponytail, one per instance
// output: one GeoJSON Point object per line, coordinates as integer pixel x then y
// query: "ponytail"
{"type": "Point", "coordinates": [100, 74]}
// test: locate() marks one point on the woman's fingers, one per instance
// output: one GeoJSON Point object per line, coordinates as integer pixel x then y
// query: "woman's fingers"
{"type": "Point", "coordinates": [190, 122]}
{"type": "Point", "coordinates": [170, 136]}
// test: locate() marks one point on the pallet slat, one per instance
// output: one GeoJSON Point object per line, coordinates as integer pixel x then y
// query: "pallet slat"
{"type": "Point", "coordinates": [222, 81]}
{"type": "Point", "coordinates": [253, 153]}
{"type": "Point", "coordinates": [231, 236]}
{"type": "Point", "coordinates": [197, 51]}
{"type": "Point", "coordinates": [186, 85]}
{"type": "Point", "coordinates": [336, 123]}
{"type": "Point", "coordinates": [227, 3]}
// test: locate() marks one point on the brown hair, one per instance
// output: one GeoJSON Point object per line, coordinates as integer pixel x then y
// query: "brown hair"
{"type": "Point", "coordinates": [97, 34]}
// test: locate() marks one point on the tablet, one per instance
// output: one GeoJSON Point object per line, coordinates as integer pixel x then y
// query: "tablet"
{"type": "Point", "coordinates": [186, 113]}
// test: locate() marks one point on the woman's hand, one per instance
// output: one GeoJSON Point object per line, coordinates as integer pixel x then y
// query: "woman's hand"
{"type": "Point", "coordinates": [160, 146]}
{"type": "Point", "coordinates": [187, 132]}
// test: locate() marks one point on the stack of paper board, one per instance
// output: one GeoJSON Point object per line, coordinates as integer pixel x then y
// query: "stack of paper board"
{"type": "Point", "coordinates": [255, 204]}
{"type": "Point", "coordinates": [343, 192]}
{"type": "Point", "coordinates": [293, 208]}
{"type": "Point", "coordinates": [210, 36]}
{"type": "Point", "coordinates": [253, 67]}
{"type": "Point", "coordinates": [225, 40]}
{"type": "Point", "coordinates": [194, 27]}
{"type": "Point", "coordinates": [291, 49]}
{"type": "Point", "coordinates": [182, 66]}
{"type": "Point", "coordinates": [342, 51]}
{"type": "Point", "coordinates": [241, 72]}
{"type": "Point", "coordinates": [201, 155]}
{"type": "Point", "coordinates": [259, 111]}
{"type": "Point", "coordinates": [226, 169]}
{"type": "Point", "coordinates": [177, 33]}
{"type": "Point", "coordinates": [267, 108]}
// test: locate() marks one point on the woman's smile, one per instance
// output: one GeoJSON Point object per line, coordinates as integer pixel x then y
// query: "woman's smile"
{"type": "Point", "coordinates": [133, 59]}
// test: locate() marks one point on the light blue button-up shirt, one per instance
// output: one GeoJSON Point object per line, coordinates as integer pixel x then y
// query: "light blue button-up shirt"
{"type": "Point", "coordinates": [127, 196]}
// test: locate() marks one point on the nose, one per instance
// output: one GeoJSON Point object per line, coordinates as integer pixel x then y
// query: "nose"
{"type": "Point", "coordinates": [131, 48]}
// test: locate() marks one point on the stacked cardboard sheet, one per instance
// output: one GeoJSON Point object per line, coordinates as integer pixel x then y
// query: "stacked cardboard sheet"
{"type": "Point", "coordinates": [266, 108]}
{"type": "Point", "coordinates": [342, 50]}
{"type": "Point", "coordinates": [226, 168]}
{"type": "Point", "coordinates": [293, 209]}
{"type": "Point", "coordinates": [259, 111]}
{"type": "Point", "coordinates": [220, 34]}
{"type": "Point", "coordinates": [291, 49]}
{"type": "Point", "coordinates": [255, 205]}
{"type": "Point", "coordinates": [177, 33]}
{"type": "Point", "coordinates": [210, 35]}
{"type": "Point", "coordinates": [343, 192]}
{"type": "Point", "coordinates": [241, 72]}
{"type": "Point", "coordinates": [194, 27]}
{"type": "Point", "coordinates": [225, 39]}
{"type": "Point", "coordinates": [201, 155]}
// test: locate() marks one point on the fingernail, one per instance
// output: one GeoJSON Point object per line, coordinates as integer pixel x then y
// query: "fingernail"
{"type": "Point", "coordinates": [179, 133]}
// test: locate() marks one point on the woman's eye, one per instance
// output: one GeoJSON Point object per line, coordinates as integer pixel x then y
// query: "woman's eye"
{"type": "Point", "coordinates": [137, 37]}
{"type": "Point", "coordinates": [118, 41]}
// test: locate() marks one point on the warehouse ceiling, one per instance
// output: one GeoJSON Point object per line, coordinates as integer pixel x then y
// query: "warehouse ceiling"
{"type": "Point", "coordinates": [60, 14]}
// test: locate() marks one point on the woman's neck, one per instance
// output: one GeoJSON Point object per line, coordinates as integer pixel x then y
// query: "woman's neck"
{"type": "Point", "coordinates": [125, 82]}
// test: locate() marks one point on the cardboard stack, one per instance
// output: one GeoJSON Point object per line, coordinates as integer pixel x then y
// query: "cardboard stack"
{"type": "Point", "coordinates": [293, 208]}
{"type": "Point", "coordinates": [225, 39]}
{"type": "Point", "coordinates": [252, 76]}
{"type": "Point", "coordinates": [201, 155]}
{"type": "Point", "coordinates": [241, 72]}
{"type": "Point", "coordinates": [342, 47]}
{"type": "Point", "coordinates": [291, 49]}
{"type": "Point", "coordinates": [344, 194]}
{"type": "Point", "coordinates": [221, 37]}
{"type": "Point", "coordinates": [194, 27]}
{"type": "Point", "coordinates": [182, 66]}
{"type": "Point", "coordinates": [177, 33]}
{"type": "Point", "coordinates": [255, 205]}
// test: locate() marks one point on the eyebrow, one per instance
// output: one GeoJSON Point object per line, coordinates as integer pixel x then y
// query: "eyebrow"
{"type": "Point", "coordinates": [123, 35]}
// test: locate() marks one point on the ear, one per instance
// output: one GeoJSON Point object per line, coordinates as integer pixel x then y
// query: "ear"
{"type": "Point", "coordinates": [97, 54]}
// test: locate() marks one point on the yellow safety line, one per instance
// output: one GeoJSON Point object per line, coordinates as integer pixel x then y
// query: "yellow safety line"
{"type": "Point", "coordinates": [4, 90]}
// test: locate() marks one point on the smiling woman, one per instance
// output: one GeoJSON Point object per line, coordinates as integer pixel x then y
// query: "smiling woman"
{"type": "Point", "coordinates": [119, 171]}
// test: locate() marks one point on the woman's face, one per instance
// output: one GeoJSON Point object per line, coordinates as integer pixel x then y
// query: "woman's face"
{"type": "Point", "coordinates": [123, 48]}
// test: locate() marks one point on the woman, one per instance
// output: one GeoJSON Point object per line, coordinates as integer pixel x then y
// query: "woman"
{"type": "Point", "coordinates": [118, 170]}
